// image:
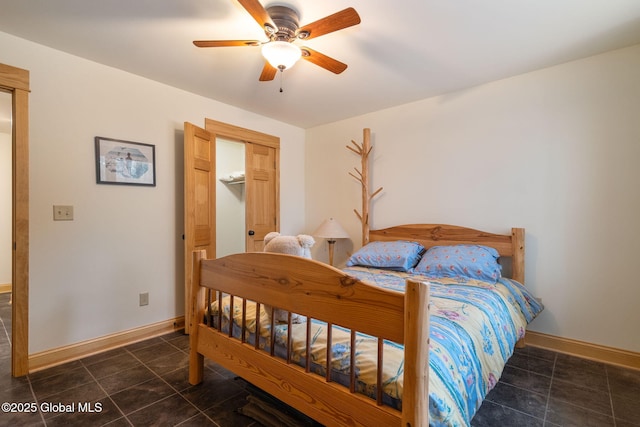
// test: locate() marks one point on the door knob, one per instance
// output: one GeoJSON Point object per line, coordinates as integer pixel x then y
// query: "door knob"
{"type": "Point", "coordinates": [251, 232]}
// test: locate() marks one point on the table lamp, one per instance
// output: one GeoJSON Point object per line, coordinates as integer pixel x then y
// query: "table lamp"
{"type": "Point", "coordinates": [331, 230]}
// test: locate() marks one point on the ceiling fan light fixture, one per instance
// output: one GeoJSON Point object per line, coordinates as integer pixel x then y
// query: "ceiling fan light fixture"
{"type": "Point", "coordinates": [280, 54]}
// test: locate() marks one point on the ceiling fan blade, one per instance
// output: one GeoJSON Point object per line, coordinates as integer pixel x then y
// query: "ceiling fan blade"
{"type": "Point", "coordinates": [337, 21]}
{"type": "Point", "coordinates": [323, 61]}
{"type": "Point", "coordinates": [259, 13]}
{"type": "Point", "coordinates": [225, 43]}
{"type": "Point", "coordinates": [268, 72]}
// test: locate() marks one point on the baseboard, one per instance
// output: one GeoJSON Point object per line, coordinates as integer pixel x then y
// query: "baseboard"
{"type": "Point", "coordinates": [5, 287]}
{"type": "Point", "coordinates": [614, 356]}
{"type": "Point", "coordinates": [60, 355]}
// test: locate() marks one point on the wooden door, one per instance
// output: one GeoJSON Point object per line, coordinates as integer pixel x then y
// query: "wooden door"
{"type": "Point", "coordinates": [261, 194]}
{"type": "Point", "coordinates": [199, 202]}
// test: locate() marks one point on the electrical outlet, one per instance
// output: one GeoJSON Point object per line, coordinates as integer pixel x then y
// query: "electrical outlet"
{"type": "Point", "coordinates": [62, 213]}
{"type": "Point", "coordinates": [144, 299]}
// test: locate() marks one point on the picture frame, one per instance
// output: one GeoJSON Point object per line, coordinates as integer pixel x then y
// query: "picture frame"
{"type": "Point", "coordinates": [121, 162]}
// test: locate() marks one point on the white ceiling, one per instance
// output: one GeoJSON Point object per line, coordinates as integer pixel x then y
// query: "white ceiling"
{"type": "Point", "coordinates": [403, 51]}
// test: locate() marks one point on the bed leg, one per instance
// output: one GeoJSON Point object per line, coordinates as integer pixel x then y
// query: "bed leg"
{"type": "Point", "coordinates": [196, 360]}
{"type": "Point", "coordinates": [196, 367]}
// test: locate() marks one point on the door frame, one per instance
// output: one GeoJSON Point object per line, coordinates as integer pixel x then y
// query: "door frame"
{"type": "Point", "coordinates": [16, 81]}
{"type": "Point", "coordinates": [248, 136]}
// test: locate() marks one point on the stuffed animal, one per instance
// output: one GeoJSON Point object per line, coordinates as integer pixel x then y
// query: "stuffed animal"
{"type": "Point", "coordinates": [299, 245]}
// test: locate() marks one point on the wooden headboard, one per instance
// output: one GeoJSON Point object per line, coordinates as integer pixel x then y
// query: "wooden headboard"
{"type": "Point", "coordinates": [428, 235]}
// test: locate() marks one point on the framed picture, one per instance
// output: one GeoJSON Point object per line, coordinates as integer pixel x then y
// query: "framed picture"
{"type": "Point", "coordinates": [125, 162]}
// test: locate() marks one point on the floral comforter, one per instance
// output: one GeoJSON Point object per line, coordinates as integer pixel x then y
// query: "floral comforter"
{"type": "Point", "coordinates": [474, 326]}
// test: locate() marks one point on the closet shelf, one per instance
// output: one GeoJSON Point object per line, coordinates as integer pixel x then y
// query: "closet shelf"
{"type": "Point", "coordinates": [233, 178]}
{"type": "Point", "coordinates": [232, 182]}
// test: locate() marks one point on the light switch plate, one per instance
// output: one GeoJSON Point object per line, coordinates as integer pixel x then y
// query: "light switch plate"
{"type": "Point", "coordinates": [62, 213]}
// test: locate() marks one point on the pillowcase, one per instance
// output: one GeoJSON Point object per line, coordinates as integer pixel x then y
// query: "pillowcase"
{"type": "Point", "coordinates": [470, 261]}
{"type": "Point", "coordinates": [398, 255]}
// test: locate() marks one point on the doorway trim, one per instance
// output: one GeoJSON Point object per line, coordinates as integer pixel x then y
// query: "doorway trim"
{"type": "Point", "coordinates": [16, 80]}
{"type": "Point", "coordinates": [227, 131]}
{"type": "Point", "coordinates": [252, 140]}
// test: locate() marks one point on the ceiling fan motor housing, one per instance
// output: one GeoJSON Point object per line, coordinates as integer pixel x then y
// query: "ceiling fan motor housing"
{"type": "Point", "coordinates": [287, 21]}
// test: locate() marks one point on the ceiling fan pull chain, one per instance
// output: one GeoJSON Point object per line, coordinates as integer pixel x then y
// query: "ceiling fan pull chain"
{"type": "Point", "coordinates": [281, 82]}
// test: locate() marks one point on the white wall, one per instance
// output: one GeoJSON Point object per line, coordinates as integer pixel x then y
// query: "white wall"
{"type": "Point", "coordinates": [85, 275]}
{"type": "Point", "coordinates": [5, 204]}
{"type": "Point", "coordinates": [230, 199]}
{"type": "Point", "coordinates": [555, 151]}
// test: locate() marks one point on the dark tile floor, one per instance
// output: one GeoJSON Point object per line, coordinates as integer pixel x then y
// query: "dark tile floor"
{"type": "Point", "coordinates": [145, 384]}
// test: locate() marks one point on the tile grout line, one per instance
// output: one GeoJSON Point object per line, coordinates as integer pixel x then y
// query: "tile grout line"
{"type": "Point", "coordinates": [170, 386]}
{"type": "Point", "coordinates": [33, 394]}
{"type": "Point", "coordinates": [8, 335]}
{"type": "Point", "coordinates": [613, 413]}
{"type": "Point", "coordinates": [35, 399]}
{"type": "Point", "coordinates": [188, 353]}
{"type": "Point", "coordinates": [580, 404]}
{"type": "Point", "coordinates": [105, 392]}
{"type": "Point", "coordinates": [553, 372]}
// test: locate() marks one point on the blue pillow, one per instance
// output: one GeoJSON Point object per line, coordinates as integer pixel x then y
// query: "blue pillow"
{"type": "Point", "coordinates": [397, 255]}
{"type": "Point", "coordinates": [470, 261]}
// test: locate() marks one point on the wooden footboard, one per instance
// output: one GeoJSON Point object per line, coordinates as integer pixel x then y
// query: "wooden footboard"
{"type": "Point", "coordinates": [320, 292]}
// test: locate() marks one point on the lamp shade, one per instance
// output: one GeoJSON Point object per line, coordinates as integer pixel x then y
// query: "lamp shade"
{"type": "Point", "coordinates": [331, 229]}
{"type": "Point", "coordinates": [281, 55]}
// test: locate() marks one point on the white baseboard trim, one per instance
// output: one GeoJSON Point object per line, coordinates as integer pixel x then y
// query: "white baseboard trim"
{"type": "Point", "coordinates": [60, 355]}
{"type": "Point", "coordinates": [600, 353]}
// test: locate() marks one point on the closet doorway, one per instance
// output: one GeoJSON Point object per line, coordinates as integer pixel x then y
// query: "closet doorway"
{"type": "Point", "coordinates": [230, 197]}
{"type": "Point", "coordinates": [260, 190]}
{"type": "Point", "coordinates": [15, 83]}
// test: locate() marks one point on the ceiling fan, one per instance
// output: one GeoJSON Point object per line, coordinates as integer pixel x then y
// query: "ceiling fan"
{"type": "Point", "coordinates": [281, 26]}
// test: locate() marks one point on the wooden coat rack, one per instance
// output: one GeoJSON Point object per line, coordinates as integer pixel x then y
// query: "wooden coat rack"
{"type": "Point", "coordinates": [363, 150]}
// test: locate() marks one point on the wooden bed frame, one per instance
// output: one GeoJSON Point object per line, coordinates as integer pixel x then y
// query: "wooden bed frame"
{"type": "Point", "coordinates": [322, 292]}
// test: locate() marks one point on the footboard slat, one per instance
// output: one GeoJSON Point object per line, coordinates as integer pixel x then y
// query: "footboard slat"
{"type": "Point", "coordinates": [272, 325]}
{"type": "Point", "coordinates": [231, 315]}
{"type": "Point", "coordinates": [210, 316]}
{"type": "Point", "coordinates": [256, 342]}
{"type": "Point", "coordinates": [379, 385]}
{"type": "Point", "coordinates": [307, 367]}
{"type": "Point", "coordinates": [243, 333]}
{"type": "Point", "coordinates": [352, 362]}
{"type": "Point", "coordinates": [289, 338]}
{"type": "Point", "coordinates": [329, 355]}
{"type": "Point", "coordinates": [219, 295]}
